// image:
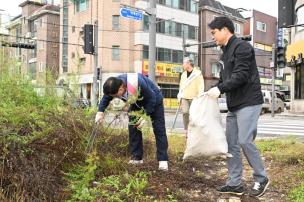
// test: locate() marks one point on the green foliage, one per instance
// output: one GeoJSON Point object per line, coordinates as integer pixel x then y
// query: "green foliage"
{"type": "Point", "coordinates": [287, 151]}
{"type": "Point", "coordinates": [110, 165]}
{"type": "Point", "coordinates": [81, 178]}
{"type": "Point", "coordinates": [274, 145]}
{"type": "Point", "coordinates": [124, 187]}
{"type": "Point", "coordinates": [297, 194]}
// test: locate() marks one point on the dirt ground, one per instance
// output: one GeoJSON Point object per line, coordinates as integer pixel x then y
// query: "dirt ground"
{"type": "Point", "coordinates": [197, 179]}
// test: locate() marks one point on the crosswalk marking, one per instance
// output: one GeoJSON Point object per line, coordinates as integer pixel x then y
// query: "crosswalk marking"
{"type": "Point", "coordinates": [281, 127]}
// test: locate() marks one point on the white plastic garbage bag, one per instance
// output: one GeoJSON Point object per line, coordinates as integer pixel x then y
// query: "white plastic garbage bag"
{"type": "Point", "coordinates": [206, 136]}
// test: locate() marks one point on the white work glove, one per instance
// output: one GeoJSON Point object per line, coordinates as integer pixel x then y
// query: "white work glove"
{"type": "Point", "coordinates": [99, 117]}
{"type": "Point", "coordinates": [140, 123]}
{"type": "Point", "coordinates": [118, 104]}
{"type": "Point", "coordinates": [214, 92]}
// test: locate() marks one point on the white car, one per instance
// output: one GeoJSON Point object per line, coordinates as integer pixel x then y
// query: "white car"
{"type": "Point", "coordinates": [278, 103]}
{"type": "Point", "coordinates": [223, 104]}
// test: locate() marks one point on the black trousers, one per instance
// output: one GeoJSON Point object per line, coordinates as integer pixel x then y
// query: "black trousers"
{"type": "Point", "coordinates": [159, 129]}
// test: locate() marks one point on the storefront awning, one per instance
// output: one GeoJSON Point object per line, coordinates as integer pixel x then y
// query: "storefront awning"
{"type": "Point", "coordinates": [294, 49]}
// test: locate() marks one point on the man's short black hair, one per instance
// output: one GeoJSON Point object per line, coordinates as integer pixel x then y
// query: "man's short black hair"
{"type": "Point", "coordinates": [111, 86]}
{"type": "Point", "coordinates": [221, 22]}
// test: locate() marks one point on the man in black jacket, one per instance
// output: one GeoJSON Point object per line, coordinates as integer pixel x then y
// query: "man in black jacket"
{"type": "Point", "coordinates": [240, 80]}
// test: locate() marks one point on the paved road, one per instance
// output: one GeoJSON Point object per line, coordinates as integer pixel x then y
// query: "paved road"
{"type": "Point", "coordinates": [267, 125]}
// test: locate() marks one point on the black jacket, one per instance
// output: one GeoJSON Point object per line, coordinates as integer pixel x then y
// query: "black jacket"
{"type": "Point", "coordinates": [239, 77]}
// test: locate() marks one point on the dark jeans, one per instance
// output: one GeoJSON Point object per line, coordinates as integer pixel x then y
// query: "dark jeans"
{"type": "Point", "coordinates": [159, 129]}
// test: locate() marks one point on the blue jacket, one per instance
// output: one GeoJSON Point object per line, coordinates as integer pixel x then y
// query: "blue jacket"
{"type": "Point", "coordinates": [150, 95]}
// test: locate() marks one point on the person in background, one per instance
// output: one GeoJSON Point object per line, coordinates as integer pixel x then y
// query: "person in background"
{"type": "Point", "coordinates": [191, 85]}
{"type": "Point", "coordinates": [239, 79]}
{"type": "Point", "coordinates": [151, 100]}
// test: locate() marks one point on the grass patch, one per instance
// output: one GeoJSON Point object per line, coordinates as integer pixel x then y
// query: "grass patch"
{"type": "Point", "coordinates": [287, 153]}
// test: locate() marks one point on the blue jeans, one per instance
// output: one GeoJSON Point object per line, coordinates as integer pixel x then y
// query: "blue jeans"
{"type": "Point", "coordinates": [241, 130]}
{"type": "Point", "coordinates": [159, 129]}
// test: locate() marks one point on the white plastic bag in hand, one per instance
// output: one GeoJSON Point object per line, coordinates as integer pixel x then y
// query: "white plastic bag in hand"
{"type": "Point", "coordinates": [206, 135]}
{"type": "Point", "coordinates": [117, 104]}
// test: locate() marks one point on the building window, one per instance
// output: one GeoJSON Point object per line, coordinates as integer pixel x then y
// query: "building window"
{"type": "Point", "coordinates": [115, 53]}
{"type": "Point", "coordinates": [146, 23]}
{"type": "Point", "coordinates": [182, 4]}
{"type": "Point", "coordinates": [175, 3]}
{"type": "Point", "coordinates": [145, 52]}
{"type": "Point", "coordinates": [81, 5]}
{"type": "Point", "coordinates": [215, 70]}
{"type": "Point", "coordinates": [177, 56]}
{"type": "Point", "coordinates": [115, 22]}
{"type": "Point", "coordinates": [237, 28]}
{"type": "Point", "coordinates": [168, 55]}
{"type": "Point", "coordinates": [160, 54]}
{"type": "Point", "coordinates": [193, 6]}
{"type": "Point", "coordinates": [261, 26]}
{"type": "Point", "coordinates": [160, 26]}
{"type": "Point", "coordinates": [73, 29]}
{"type": "Point", "coordinates": [32, 70]}
{"type": "Point", "coordinates": [191, 32]}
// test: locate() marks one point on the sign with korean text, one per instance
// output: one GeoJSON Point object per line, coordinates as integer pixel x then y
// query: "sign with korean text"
{"type": "Point", "coordinates": [131, 14]}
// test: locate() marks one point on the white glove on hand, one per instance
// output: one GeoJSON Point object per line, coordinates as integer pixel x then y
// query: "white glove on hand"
{"type": "Point", "coordinates": [140, 123]}
{"type": "Point", "coordinates": [214, 92]}
{"type": "Point", "coordinates": [99, 117]}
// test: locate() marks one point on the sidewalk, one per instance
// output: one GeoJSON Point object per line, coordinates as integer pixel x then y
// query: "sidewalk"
{"type": "Point", "coordinates": [290, 114]}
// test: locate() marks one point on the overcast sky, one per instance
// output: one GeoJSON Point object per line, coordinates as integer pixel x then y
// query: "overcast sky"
{"type": "Point", "coordinates": [269, 7]}
{"type": "Point", "coordinates": [266, 6]}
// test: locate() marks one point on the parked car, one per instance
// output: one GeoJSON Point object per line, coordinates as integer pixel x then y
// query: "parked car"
{"type": "Point", "coordinates": [278, 102]}
{"type": "Point", "coordinates": [284, 98]}
{"type": "Point", "coordinates": [81, 103]}
{"type": "Point", "coordinates": [223, 104]}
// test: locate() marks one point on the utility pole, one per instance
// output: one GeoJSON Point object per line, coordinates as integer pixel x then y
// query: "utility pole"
{"type": "Point", "coordinates": [273, 66]}
{"type": "Point", "coordinates": [184, 44]}
{"type": "Point", "coordinates": [95, 85]}
{"type": "Point", "coordinates": [152, 39]}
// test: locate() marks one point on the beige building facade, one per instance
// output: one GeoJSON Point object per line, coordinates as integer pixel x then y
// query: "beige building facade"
{"type": "Point", "coordinates": [38, 25]}
{"type": "Point", "coordinates": [123, 43]}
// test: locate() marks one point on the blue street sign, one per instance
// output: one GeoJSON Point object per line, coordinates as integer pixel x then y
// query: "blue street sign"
{"type": "Point", "coordinates": [132, 14]}
{"type": "Point", "coordinates": [280, 38]}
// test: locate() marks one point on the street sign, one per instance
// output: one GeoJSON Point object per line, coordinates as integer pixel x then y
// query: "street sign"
{"type": "Point", "coordinates": [132, 14]}
{"type": "Point", "coordinates": [280, 38]}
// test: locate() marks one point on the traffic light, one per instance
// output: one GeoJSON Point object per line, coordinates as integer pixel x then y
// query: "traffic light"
{"type": "Point", "coordinates": [286, 13]}
{"type": "Point", "coordinates": [88, 47]}
{"type": "Point", "coordinates": [281, 57]}
{"type": "Point", "coordinates": [98, 73]}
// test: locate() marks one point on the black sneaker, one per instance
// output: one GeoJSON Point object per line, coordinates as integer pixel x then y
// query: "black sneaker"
{"type": "Point", "coordinates": [259, 188]}
{"type": "Point", "coordinates": [237, 190]}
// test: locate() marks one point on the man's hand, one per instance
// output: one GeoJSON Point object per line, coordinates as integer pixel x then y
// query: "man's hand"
{"type": "Point", "coordinates": [140, 123]}
{"type": "Point", "coordinates": [99, 117]}
{"type": "Point", "coordinates": [214, 92]}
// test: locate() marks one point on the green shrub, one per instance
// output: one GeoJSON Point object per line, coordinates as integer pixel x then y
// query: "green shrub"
{"type": "Point", "coordinates": [297, 194]}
